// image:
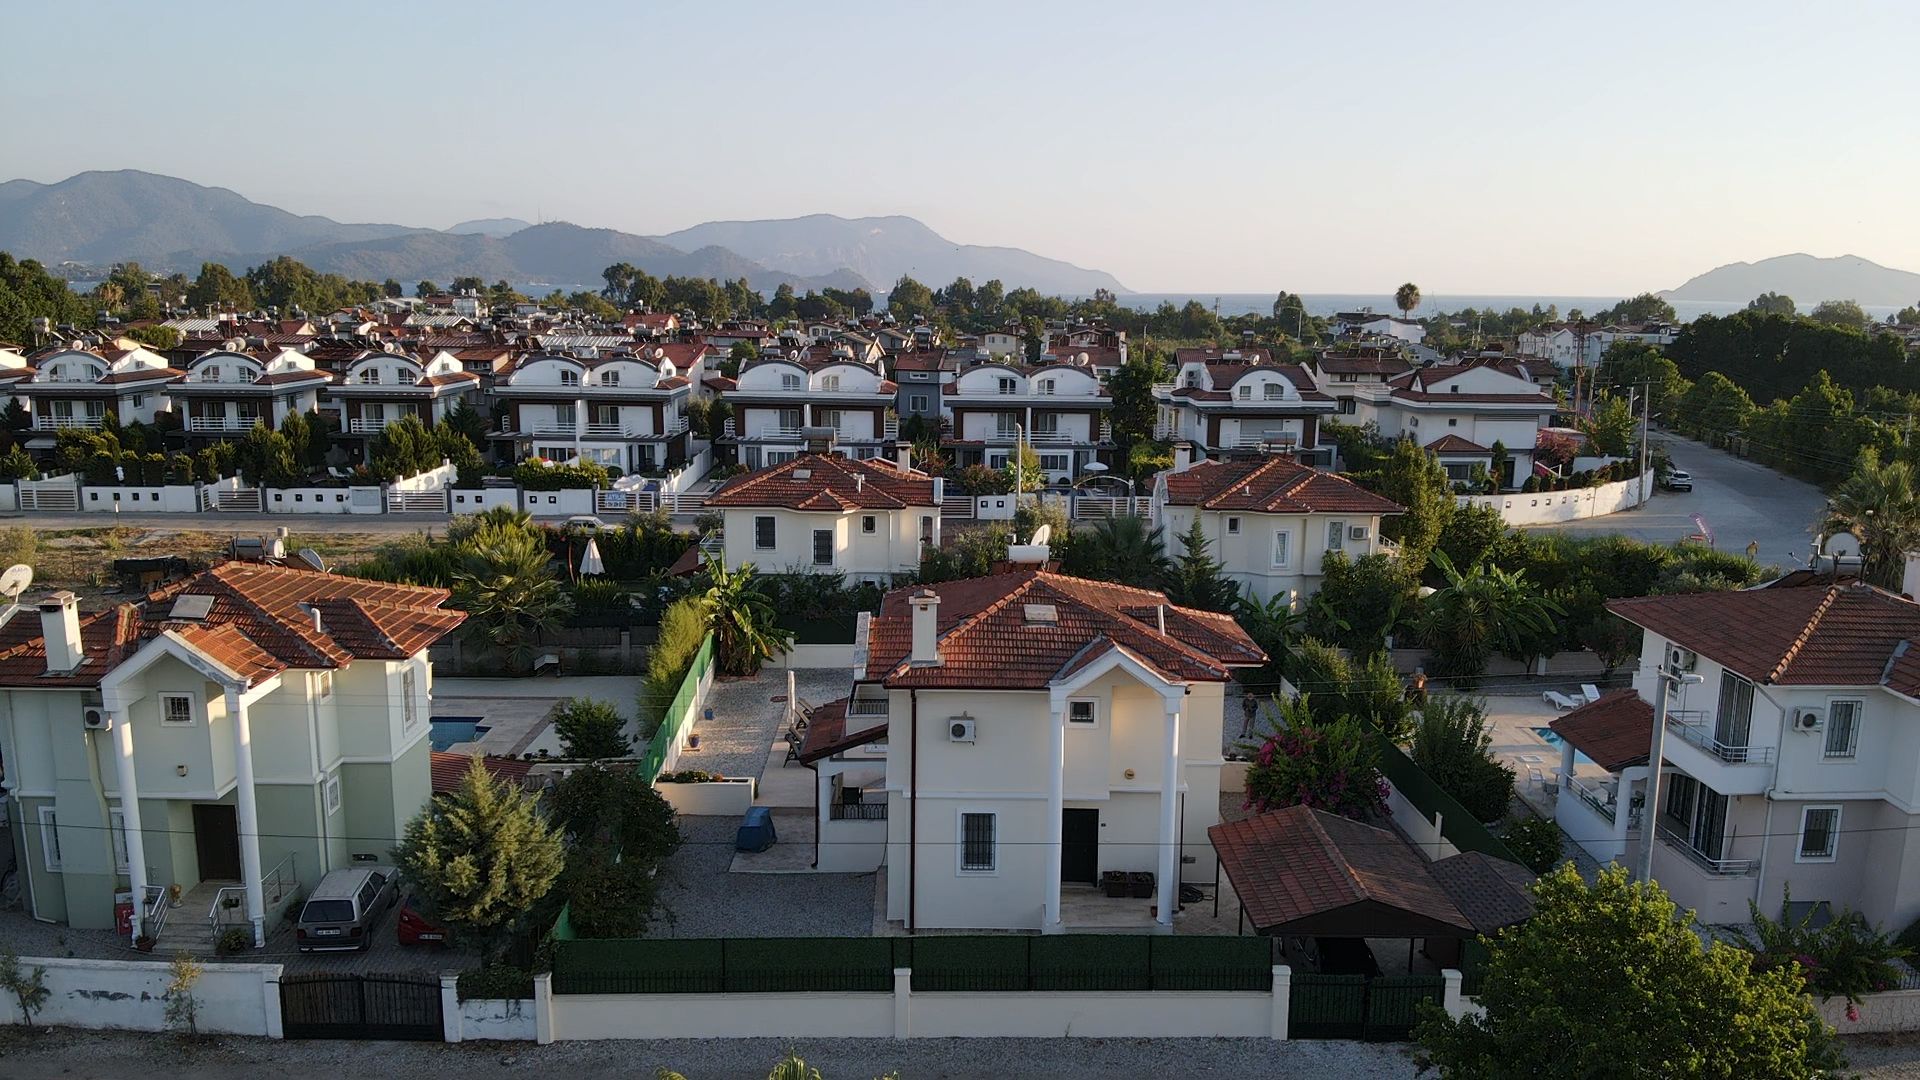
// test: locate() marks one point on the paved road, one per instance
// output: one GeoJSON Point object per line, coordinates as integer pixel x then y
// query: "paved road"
{"type": "Point", "coordinates": [1741, 501]}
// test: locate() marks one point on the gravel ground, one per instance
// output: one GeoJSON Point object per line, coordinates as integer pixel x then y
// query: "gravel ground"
{"type": "Point", "coordinates": [113, 1056]}
{"type": "Point", "coordinates": [699, 898]}
{"type": "Point", "coordinates": [746, 719]}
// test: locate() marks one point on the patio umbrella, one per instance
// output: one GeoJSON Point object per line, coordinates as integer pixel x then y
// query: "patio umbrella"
{"type": "Point", "coordinates": [590, 561]}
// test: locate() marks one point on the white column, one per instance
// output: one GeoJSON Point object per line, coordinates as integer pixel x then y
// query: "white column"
{"type": "Point", "coordinates": [1566, 764]}
{"type": "Point", "coordinates": [129, 813]}
{"type": "Point", "coordinates": [1623, 807]}
{"type": "Point", "coordinates": [1056, 810]}
{"type": "Point", "coordinates": [248, 815]}
{"type": "Point", "coordinates": [1170, 815]}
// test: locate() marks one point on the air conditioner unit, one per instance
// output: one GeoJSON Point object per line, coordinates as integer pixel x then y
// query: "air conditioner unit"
{"type": "Point", "coordinates": [1807, 720]}
{"type": "Point", "coordinates": [1682, 659]}
{"type": "Point", "coordinates": [961, 729]}
{"type": "Point", "coordinates": [96, 719]}
{"type": "Point", "coordinates": [1356, 532]}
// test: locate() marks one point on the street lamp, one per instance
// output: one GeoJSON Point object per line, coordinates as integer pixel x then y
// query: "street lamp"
{"type": "Point", "coordinates": [1668, 680]}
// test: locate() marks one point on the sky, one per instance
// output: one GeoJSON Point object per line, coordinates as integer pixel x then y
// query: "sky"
{"type": "Point", "coordinates": [1543, 149]}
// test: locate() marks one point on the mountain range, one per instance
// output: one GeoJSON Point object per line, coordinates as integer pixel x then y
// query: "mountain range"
{"type": "Point", "coordinates": [1807, 278]}
{"type": "Point", "coordinates": [98, 218]}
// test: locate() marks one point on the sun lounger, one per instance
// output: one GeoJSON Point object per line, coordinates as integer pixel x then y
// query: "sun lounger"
{"type": "Point", "coordinates": [1559, 700]}
{"type": "Point", "coordinates": [1592, 691]}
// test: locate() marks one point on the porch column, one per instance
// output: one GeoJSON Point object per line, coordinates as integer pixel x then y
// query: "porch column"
{"type": "Point", "coordinates": [1566, 764]}
{"type": "Point", "coordinates": [247, 813]}
{"type": "Point", "coordinates": [1623, 807]}
{"type": "Point", "coordinates": [122, 726]}
{"type": "Point", "coordinates": [1170, 814]}
{"type": "Point", "coordinates": [1056, 809]}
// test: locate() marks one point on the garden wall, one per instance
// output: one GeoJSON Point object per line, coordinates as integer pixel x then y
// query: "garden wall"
{"type": "Point", "coordinates": [718, 798]}
{"type": "Point", "coordinates": [480, 500]}
{"type": "Point", "coordinates": [1549, 507]}
{"type": "Point", "coordinates": [235, 999]}
{"type": "Point", "coordinates": [1893, 1010]}
{"type": "Point", "coordinates": [565, 503]}
{"type": "Point", "coordinates": [148, 498]}
{"type": "Point", "coordinates": [323, 500]}
{"type": "Point", "coordinates": [695, 470]}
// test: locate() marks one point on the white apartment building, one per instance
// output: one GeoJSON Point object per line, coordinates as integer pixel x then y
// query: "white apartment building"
{"type": "Point", "coordinates": [1569, 345]}
{"type": "Point", "coordinates": [620, 409]}
{"type": "Point", "coordinates": [1240, 399]}
{"type": "Point", "coordinates": [827, 513]}
{"type": "Point", "coordinates": [77, 388]}
{"type": "Point", "coordinates": [1059, 409]}
{"type": "Point", "coordinates": [1793, 764]}
{"type": "Point", "coordinates": [1459, 411]}
{"type": "Point", "coordinates": [776, 402]}
{"type": "Point", "coordinates": [1034, 731]}
{"type": "Point", "coordinates": [226, 392]}
{"type": "Point", "coordinates": [1270, 521]}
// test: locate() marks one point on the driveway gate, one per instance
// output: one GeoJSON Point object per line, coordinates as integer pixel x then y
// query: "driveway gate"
{"type": "Point", "coordinates": [1382, 1009]}
{"type": "Point", "coordinates": [361, 1007]}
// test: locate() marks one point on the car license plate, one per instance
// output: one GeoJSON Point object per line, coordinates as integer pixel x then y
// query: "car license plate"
{"type": "Point", "coordinates": [328, 933]}
{"type": "Point", "coordinates": [433, 937]}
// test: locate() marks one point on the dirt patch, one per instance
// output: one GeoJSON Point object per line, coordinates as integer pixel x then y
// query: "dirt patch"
{"type": "Point", "coordinates": [82, 559]}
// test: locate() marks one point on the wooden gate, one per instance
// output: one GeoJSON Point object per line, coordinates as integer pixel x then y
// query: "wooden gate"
{"type": "Point", "coordinates": [361, 1007]}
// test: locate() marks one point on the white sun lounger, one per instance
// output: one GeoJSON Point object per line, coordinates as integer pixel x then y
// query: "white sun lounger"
{"type": "Point", "coordinates": [1559, 700]}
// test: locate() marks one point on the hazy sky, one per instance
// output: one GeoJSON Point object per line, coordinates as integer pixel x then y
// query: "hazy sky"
{"type": "Point", "coordinates": [1540, 148]}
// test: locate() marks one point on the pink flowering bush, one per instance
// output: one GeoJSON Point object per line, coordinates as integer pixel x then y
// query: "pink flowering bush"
{"type": "Point", "coordinates": [1329, 765]}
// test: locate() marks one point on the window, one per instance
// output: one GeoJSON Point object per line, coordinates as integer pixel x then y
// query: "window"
{"type": "Point", "coordinates": [139, 401]}
{"type": "Point", "coordinates": [176, 708]}
{"type": "Point", "coordinates": [1459, 472]}
{"type": "Point", "coordinates": [1045, 386]}
{"type": "Point", "coordinates": [371, 376]}
{"type": "Point", "coordinates": [1009, 386]}
{"type": "Point", "coordinates": [409, 705]}
{"type": "Point", "coordinates": [1233, 526]}
{"type": "Point", "coordinates": [789, 382]}
{"type": "Point", "coordinates": [117, 825]}
{"type": "Point", "coordinates": [823, 547]}
{"type": "Point", "coordinates": [829, 382]}
{"type": "Point", "coordinates": [1349, 406]}
{"type": "Point", "coordinates": [50, 838]}
{"type": "Point", "coordinates": [917, 403]}
{"type": "Point", "coordinates": [1056, 463]}
{"type": "Point", "coordinates": [609, 378]}
{"type": "Point", "coordinates": [333, 794]}
{"type": "Point", "coordinates": [1413, 421]}
{"type": "Point", "coordinates": [1453, 421]}
{"type": "Point", "coordinates": [1336, 535]}
{"type": "Point", "coordinates": [1282, 549]}
{"type": "Point", "coordinates": [1733, 719]}
{"type": "Point", "coordinates": [1046, 424]}
{"type": "Point", "coordinates": [827, 418]}
{"type": "Point", "coordinates": [1819, 834]}
{"type": "Point", "coordinates": [569, 378]}
{"type": "Point", "coordinates": [1005, 424]}
{"type": "Point", "coordinates": [1083, 711]}
{"type": "Point", "coordinates": [926, 528]}
{"type": "Point", "coordinates": [1843, 728]}
{"type": "Point", "coordinates": [1246, 392]}
{"type": "Point", "coordinates": [1275, 390]}
{"type": "Point", "coordinates": [977, 843]}
{"type": "Point", "coordinates": [763, 533]}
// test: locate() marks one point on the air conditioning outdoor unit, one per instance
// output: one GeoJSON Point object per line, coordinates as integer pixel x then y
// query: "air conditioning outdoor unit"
{"type": "Point", "coordinates": [961, 729]}
{"type": "Point", "coordinates": [1682, 659]}
{"type": "Point", "coordinates": [1356, 532]}
{"type": "Point", "coordinates": [1807, 720]}
{"type": "Point", "coordinates": [96, 719]}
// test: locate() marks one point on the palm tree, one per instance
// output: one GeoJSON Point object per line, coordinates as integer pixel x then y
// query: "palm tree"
{"type": "Point", "coordinates": [742, 618]}
{"type": "Point", "coordinates": [510, 594]}
{"type": "Point", "coordinates": [1877, 504]}
{"type": "Point", "coordinates": [1126, 549]}
{"type": "Point", "coordinates": [1406, 298]}
{"type": "Point", "coordinates": [1480, 612]}
{"type": "Point", "coordinates": [1277, 628]}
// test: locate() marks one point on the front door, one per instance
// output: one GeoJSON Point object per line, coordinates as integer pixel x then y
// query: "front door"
{"type": "Point", "coordinates": [1080, 847]}
{"type": "Point", "coordinates": [217, 839]}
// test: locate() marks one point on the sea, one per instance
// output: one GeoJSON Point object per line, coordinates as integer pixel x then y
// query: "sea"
{"type": "Point", "coordinates": [1325, 304]}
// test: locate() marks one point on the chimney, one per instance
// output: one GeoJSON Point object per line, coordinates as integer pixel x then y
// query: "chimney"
{"type": "Point", "coordinates": [926, 628]}
{"type": "Point", "coordinates": [903, 455]}
{"type": "Point", "coordinates": [60, 625]}
{"type": "Point", "coordinates": [1182, 456]}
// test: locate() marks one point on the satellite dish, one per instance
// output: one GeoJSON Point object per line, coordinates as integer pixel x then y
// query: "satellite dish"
{"type": "Point", "coordinates": [1840, 545]}
{"type": "Point", "coordinates": [1041, 535]}
{"type": "Point", "coordinates": [15, 580]}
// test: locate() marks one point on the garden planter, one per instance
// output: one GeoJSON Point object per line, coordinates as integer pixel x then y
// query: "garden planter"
{"type": "Point", "coordinates": [1140, 885]}
{"type": "Point", "coordinates": [1114, 883]}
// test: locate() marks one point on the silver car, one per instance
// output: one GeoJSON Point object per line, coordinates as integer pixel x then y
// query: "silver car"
{"type": "Point", "coordinates": [343, 908]}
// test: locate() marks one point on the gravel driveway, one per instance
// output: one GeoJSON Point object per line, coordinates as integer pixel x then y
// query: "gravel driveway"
{"type": "Point", "coordinates": [699, 898]}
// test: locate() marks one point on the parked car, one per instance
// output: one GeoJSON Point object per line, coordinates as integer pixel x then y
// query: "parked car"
{"type": "Point", "coordinates": [342, 910]}
{"type": "Point", "coordinates": [584, 522]}
{"type": "Point", "coordinates": [413, 927]}
{"type": "Point", "coordinates": [1677, 480]}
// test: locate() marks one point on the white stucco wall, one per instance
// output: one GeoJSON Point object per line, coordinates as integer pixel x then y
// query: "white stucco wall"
{"type": "Point", "coordinates": [235, 999]}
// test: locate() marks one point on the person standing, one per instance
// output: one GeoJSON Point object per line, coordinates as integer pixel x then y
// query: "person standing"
{"type": "Point", "coordinates": [1249, 708]}
{"type": "Point", "coordinates": [1417, 692]}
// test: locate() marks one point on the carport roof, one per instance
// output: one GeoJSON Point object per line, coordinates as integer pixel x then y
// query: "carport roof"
{"type": "Point", "coordinates": [1614, 732]}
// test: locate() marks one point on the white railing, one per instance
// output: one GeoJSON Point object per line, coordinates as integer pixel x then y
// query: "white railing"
{"type": "Point", "coordinates": [243, 501]}
{"type": "Point", "coordinates": [221, 423]}
{"type": "Point", "coordinates": [275, 885]}
{"type": "Point", "coordinates": [416, 502]}
{"type": "Point", "coordinates": [154, 912]}
{"type": "Point", "coordinates": [227, 898]}
{"type": "Point", "coordinates": [1602, 799]}
{"type": "Point", "coordinates": [56, 423]}
{"type": "Point", "coordinates": [867, 707]}
{"type": "Point", "coordinates": [1700, 735]}
{"type": "Point", "coordinates": [623, 502]}
{"type": "Point", "coordinates": [683, 502]}
{"type": "Point", "coordinates": [1279, 440]}
{"type": "Point", "coordinates": [1094, 507]}
{"type": "Point", "coordinates": [362, 426]}
{"type": "Point", "coordinates": [960, 507]}
{"type": "Point", "coordinates": [1716, 867]}
{"type": "Point", "coordinates": [551, 429]}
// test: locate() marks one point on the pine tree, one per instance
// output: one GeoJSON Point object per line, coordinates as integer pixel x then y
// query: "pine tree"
{"type": "Point", "coordinates": [1199, 580]}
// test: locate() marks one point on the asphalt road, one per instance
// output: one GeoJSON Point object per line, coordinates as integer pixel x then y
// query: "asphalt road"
{"type": "Point", "coordinates": [1741, 501]}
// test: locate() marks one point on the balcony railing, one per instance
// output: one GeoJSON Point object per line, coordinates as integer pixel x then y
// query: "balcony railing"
{"type": "Point", "coordinates": [867, 707]}
{"type": "Point", "coordinates": [1717, 867]}
{"type": "Point", "coordinates": [1693, 727]}
{"type": "Point", "coordinates": [56, 423]}
{"type": "Point", "coordinates": [1602, 799]}
{"type": "Point", "coordinates": [363, 426]}
{"type": "Point", "coordinates": [225, 424]}
{"type": "Point", "coordinates": [861, 811]}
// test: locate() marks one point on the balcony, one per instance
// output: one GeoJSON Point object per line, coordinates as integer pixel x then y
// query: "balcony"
{"type": "Point", "coordinates": [867, 707]}
{"type": "Point", "coordinates": [1727, 767]}
{"type": "Point", "coordinates": [1695, 728]}
{"type": "Point", "coordinates": [362, 426]}
{"type": "Point", "coordinates": [221, 425]}
{"type": "Point", "coordinates": [1601, 798]}
{"type": "Point", "coordinates": [57, 423]}
{"type": "Point", "coordinates": [1714, 867]}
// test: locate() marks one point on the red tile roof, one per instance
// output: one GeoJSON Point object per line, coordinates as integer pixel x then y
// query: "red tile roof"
{"type": "Point", "coordinates": [1454, 444]}
{"type": "Point", "coordinates": [449, 769]}
{"type": "Point", "coordinates": [1850, 634]}
{"type": "Point", "coordinates": [988, 637]}
{"type": "Point", "coordinates": [1491, 892]}
{"type": "Point", "coordinates": [827, 733]}
{"type": "Point", "coordinates": [1614, 732]}
{"type": "Point", "coordinates": [261, 622]}
{"type": "Point", "coordinates": [1272, 485]}
{"type": "Point", "coordinates": [1304, 871]}
{"type": "Point", "coordinates": [827, 482]}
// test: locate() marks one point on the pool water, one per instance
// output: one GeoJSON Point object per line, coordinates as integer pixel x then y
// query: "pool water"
{"type": "Point", "coordinates": [1552, 738]}
{"type": "Point", "coordinates": [448, 730]}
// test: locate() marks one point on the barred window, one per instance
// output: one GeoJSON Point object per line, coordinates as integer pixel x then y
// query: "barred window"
{"type": "Point", "coordinates": [977, 843]}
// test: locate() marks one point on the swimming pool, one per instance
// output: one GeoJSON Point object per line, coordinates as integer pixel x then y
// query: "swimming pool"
{"type": "Point", "coordinates": [447, 730]}
{"type": "Point", "coordinates": [1552, 738]}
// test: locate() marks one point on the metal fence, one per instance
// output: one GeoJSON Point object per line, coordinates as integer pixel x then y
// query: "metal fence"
{"type": "Point", "coordinates": [1457, 824]}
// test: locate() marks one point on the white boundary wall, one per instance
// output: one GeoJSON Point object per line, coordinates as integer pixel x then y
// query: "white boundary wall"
{"type": "Point", "coordinates": [717, 798]}
{"type": "Point", "coordinates": [480, 500]}
{"type": "Point", "coordinates": [323, 500]}
{"type": "Point", "coordinates": [1550, 507]}
{"type": "Point", "coordinates": [235, 999]}
{"type": "Point", "coordinates": [141, 498]}
{"type": "Point", "coordinates": [564, 503]}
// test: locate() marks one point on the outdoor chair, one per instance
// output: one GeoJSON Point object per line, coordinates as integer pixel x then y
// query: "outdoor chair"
{"type": "Point", "coordinates": [1559, 700]}
{"type": "Point", "coordinates": [1592, 691]}
{"type": "Point", "coordinates": [793, 748]}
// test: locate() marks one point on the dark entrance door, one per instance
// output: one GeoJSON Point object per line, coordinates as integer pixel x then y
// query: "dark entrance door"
{"type": "Point", "coordinates": [217, 839]}
{"type": "Point", "coordinates": [1080, 846]}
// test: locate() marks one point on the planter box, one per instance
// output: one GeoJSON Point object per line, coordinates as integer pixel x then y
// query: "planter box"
{"type": "Point", "coordinates": [714, 798]}
{"type": "Point", "coordinates": [1140, 885]}
{"type": "Point", "coordinates": [1114, 883]}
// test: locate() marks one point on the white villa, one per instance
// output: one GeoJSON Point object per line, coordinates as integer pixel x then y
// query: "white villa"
{"type": "Point", "coordinates": [825, 513]}
{"type": "Point", "coordinates": [619, 409]}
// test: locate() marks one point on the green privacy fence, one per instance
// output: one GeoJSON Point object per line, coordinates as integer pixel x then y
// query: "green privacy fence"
{"type": "Point", "coordinates": [831, 630]}
{"type": "Point", "coordinates": [1457, 824]}
{"type": "Point", "coordinates": [679, 714]}
{"type": "Point", "coordinates": [1087, 962]}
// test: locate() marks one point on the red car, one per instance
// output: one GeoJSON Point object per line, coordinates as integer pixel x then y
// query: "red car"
{"type": "Point", "coordinates": [414, 928]}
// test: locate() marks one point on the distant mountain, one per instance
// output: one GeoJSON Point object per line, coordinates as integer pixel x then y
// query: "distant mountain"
{"type": "Point", "coordinates": [104, 217]}
{"type": "Point", "coordinates": [881, 249]}
{"type": "Point", "coordinates": [1807, 279]}
{"type": "Point", "coordinates": [98, 218]}
{"type": "Point", "coordinates": [494, 226]}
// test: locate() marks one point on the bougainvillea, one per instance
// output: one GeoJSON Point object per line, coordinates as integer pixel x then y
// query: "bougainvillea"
{"type": "Point", "coordinates": [1330, 765]}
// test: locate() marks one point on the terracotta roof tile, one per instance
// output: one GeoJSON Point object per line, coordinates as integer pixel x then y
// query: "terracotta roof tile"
{"type": "Point", "coordinates": [449, 769]}
{"type": "Point", "coordinates": [827, 482]}
{"type": "Point", "coordinates": [1843, 635]}
{"type": "Point", "coordinates": [1273, 485]}
{"type": "Point", "coordinates": [1454, 444]}
{"type": "Point", "coordinates": [827, 733]}
{"type": "Point", "coordinates": [1614, 732]}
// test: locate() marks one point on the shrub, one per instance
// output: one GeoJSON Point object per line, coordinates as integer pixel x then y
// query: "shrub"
{"type": "Point", "coordinates": [1536, 841]}
{"type": "Point", "coordinates": [683, 628]}
{"type": "Point", "coordinates": [1327, 765]}
{"type": "Point", "coordinates": [1451, 744]}
{"type": "Point", "coordinates": [539, 474]}
{"type": "Point", "coordinates": [1847, 957]}
{"type": "Point", "coordinates": [597, 596]}
{"type": "Point", "coordinates": [690, 776]}
{"type": "Point", "coordinates": [590, 729]}
{"type": "Point", "coordinates": [18, 544]}
{"type": "Point", "coordinates": [495, 981]}
{"type": "Point", "coordinates": [981, 480]}
{"type": "Point", "coordinates": [234, 941]}
{"type": "Point", "coordinates": [18, 465]}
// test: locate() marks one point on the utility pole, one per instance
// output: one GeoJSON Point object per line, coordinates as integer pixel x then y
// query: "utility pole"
{"type": "Point", "coordinates": [1646, 414]}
